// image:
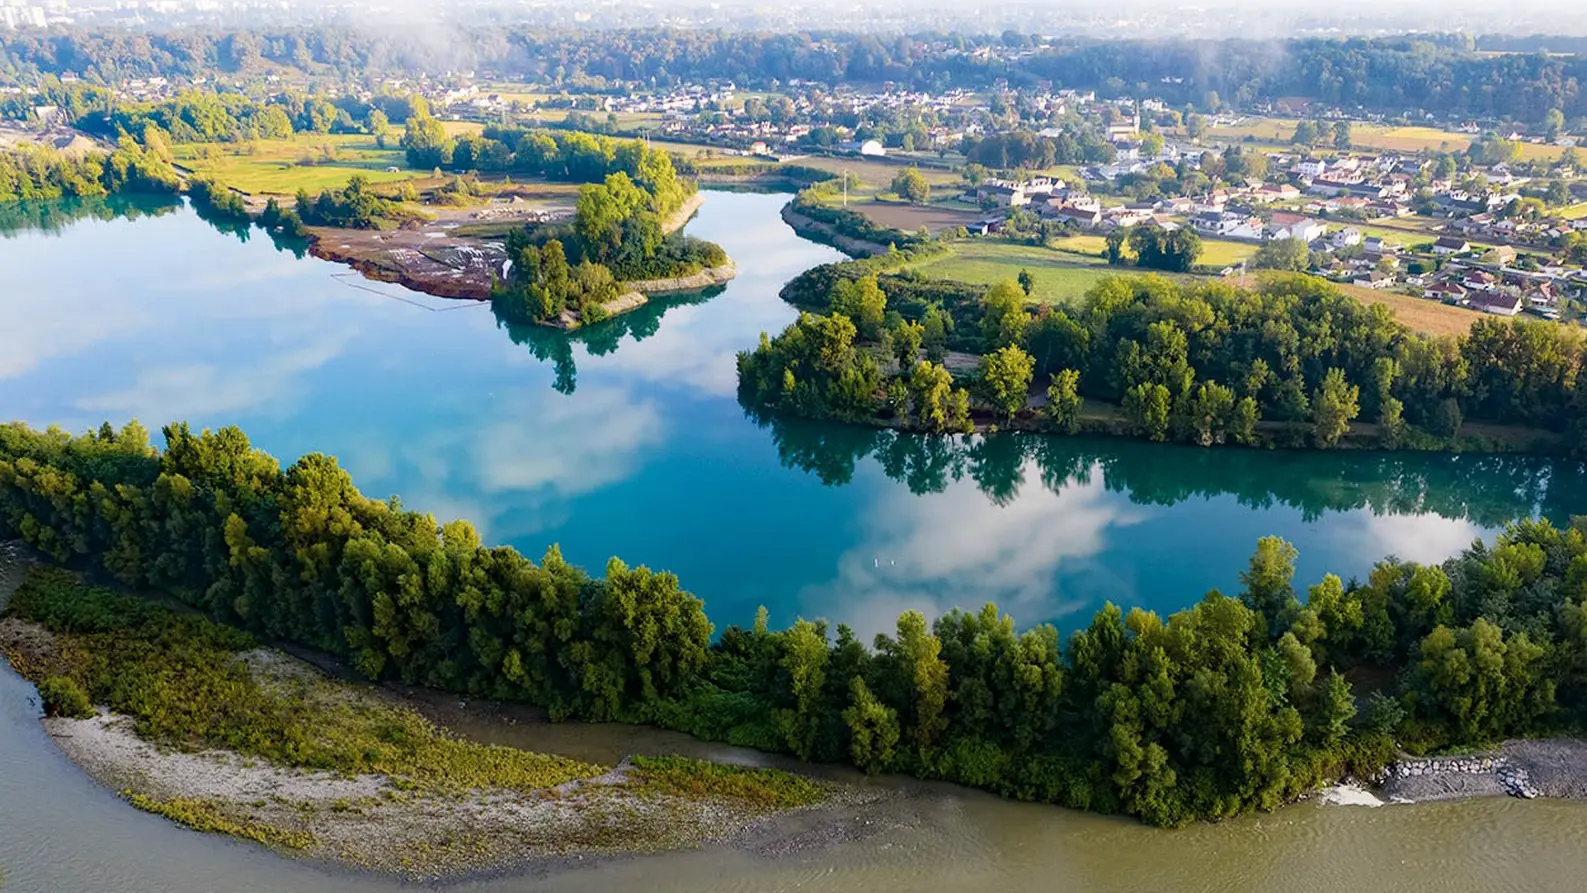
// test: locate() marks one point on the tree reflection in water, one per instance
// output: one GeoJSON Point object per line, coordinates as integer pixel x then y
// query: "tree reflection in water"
{"type": "Point", "coordinates": [600, 339]}
{"type": "Point", "coordinates": [1488, 490]}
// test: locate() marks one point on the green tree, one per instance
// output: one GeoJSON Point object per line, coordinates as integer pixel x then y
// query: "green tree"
{"type": "Point", "coordinates": [936, 404]}
{"type": "Point", "coordinates": [804, 659]}
{"type": "Point", "coordinates": [1027, 282]}
{"type": "Point", "coordinates": [911, 186]}
{"type": "Point", "coordinates": [1480, 685]}
{"type": "Point", "coordinates": [873, 729]}
{"type": "Point", "coordinates": [1553, 124]}
{"type": "Point", "coordinates": [916, 655]}
{"type": "Point", "coordinates": [1147, 406]}
{"type": "Point", "coordinates": [1333, 407]}
{"type": "Point", "coordinates": [908, 336]}
{"type": "Point", "coordinates": [862, 301]}
{"type": "Point", "coordinates": [1003, 318]}
{"type": "Point", "coordinates": [426, 143]}
{"type": "Point", "coordinates": [1064, 401]}
{"type": "Point", "coordinates": [1290, 255]}
{"type": "Point", "coordinates": [1006, 374]}
{"type": "Point", "coordinates": [1268, 581]}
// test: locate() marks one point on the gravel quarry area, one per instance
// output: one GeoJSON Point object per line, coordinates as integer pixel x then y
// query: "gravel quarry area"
{"type": "Point", "coordinates": [1543, 767]}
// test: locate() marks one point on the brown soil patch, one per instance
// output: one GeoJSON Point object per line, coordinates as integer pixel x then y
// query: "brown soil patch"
{"type": "Point", "coordinates": [912, 217]}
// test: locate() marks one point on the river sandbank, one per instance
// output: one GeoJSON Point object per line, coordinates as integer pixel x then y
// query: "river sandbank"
{"type": "Point", "coordinates": [421, 823]}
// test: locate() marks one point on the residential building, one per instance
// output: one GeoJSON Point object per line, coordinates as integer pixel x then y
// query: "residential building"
{"type": "Point", "coordinates": [1345, 238]}
{"type": "Point", "coordinates": [1294, 226]}
{"type": "Point", "coordinates": [1495, 302]}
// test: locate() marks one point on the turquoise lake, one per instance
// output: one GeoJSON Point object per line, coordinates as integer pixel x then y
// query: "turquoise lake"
{"type": "Point", "coordinates": [628, 439]}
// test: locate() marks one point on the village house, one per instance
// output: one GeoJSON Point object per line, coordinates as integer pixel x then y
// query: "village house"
{"type": "Point", "coordinates": [1294, 226]}
{"type": "Point", "coordinates": [1495, 302]}
{"type": "Point", "coordinates": [1225, 224]}
{"type": "Point", "coordinates": [1345, 238]}
{"type": "Point", "coordinates": [1377, 279]}
{"type": "Point", "coordinates": [1084, 217]}
{"type": "Point", "coordinates": [1275, 192]}
{"type": "Point", "coordinates": [1447, 245]}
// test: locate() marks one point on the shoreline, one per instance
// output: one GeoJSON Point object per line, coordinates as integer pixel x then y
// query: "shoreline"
{"type": "Point", "coordinates": [385, 825]}
{"type": "Point", "coordinates": [433, 260]}
{"type": "Point", "coordinates": [1527, 769]}
{"type": "Point", "coordinates": [638, 293]}
{"type": "Point", "coordinates": [816, 231]}
{"type": "Point", "coordinates": [420, 827]}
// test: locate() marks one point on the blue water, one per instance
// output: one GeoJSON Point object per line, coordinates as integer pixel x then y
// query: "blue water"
{"type": "Point", "coordinates": [633, 442]}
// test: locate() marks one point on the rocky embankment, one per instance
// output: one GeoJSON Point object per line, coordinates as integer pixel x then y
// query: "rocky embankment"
{"type": "Point", "coordinates": [811, 228]}
{"type": "Point", "coordinates": [1555, 767]}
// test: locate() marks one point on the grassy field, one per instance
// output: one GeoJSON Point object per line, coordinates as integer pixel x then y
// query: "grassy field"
{"type": "Point", "coordinates": [1421, 314]}
{"type": "Point", "coordinates": [878, 175]}
{"type": "Point", "coordinates": [462, 128]}
{"type": "Point", "coordinates": [1277, 132]}
{"type": "Point", "coordinates": [1214, 252]}
{"type": "Point", "coordinates": [308, 161]}
{"type": "Point", "coordinates": [1221, 253]}
{"type": "Point", "coordinates": [1061, 277]}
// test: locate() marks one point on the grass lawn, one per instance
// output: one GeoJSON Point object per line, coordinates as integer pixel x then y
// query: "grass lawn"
{"type": "Point", "coordinates": [1222, 253]}
{"type": "Point", "coordinates": [1061, 277]}
{"type": "Point", "coordinates": [1214, 252]}
{"type": "Point", "coordinates": [278, 166]}
{"type": "Point", "coordinates": [462, 128]}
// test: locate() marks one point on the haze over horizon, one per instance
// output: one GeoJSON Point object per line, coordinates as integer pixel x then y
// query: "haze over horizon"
{"type": "Point", "coordinates": [1097, 18]}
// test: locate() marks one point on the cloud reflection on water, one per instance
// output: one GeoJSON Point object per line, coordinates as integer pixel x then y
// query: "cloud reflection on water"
{"type": "Point", "coordinates": [957, 548]}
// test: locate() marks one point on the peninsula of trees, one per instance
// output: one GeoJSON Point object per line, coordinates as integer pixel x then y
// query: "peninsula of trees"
{"type": "Point", "coordinates": [1237, 703]}
{"type": "Point", "coordinates": [1292, 362]}
{"type": "Point", "coordinates": [619, 233]}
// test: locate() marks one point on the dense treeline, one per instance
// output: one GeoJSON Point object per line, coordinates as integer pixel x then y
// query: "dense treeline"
{"type": "Point", "coordinates": [1233, 704]}
{"type": "Point", "coordinates": [1201, 363]}
{"type": "Point", "coordinates": [217, 200]}
{"type": "Point", "coordinates": [353, 206]}
{"type": "Point", "coordinates": [39, 172]}
{"type": "Point", "coordinates": [1026, 149]}
{"type": "Point", "coordinates": [1442, 75]}
{"type": "Point", "coordinates": [618, 232]}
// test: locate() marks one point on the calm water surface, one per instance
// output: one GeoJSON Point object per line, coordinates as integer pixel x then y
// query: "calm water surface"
{"type": "Point", "coordinates": [629, 441]}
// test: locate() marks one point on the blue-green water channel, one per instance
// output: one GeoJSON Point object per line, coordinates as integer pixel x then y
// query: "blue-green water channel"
{"type": "Point", "coordinates": [629, 440]}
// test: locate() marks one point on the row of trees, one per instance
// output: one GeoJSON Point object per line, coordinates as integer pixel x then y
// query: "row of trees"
{"type": "Point", "coordinates": [1444, 75]}
{"type": "Point", "coordinates": [1230, 705]}
{"type": "Point", "coordinates": [30, 173]}
{"type": "Point", "coordinates": [1203, 362]}
{"type": "Point", "coordinates": [353, 206]}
